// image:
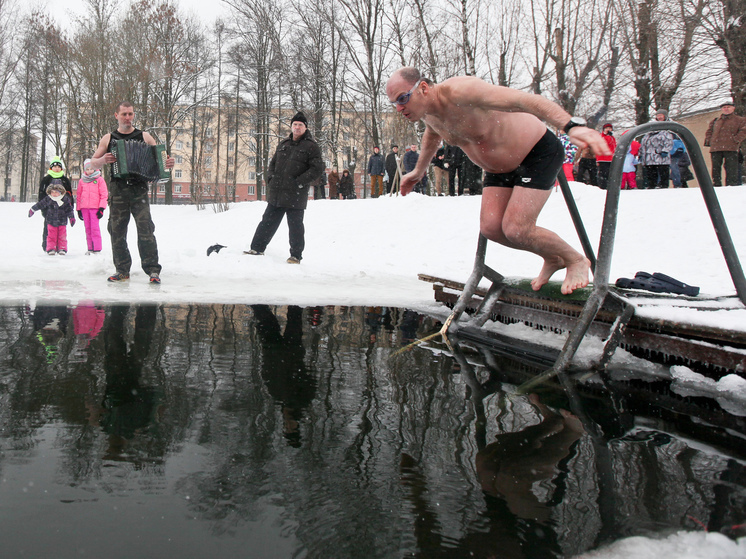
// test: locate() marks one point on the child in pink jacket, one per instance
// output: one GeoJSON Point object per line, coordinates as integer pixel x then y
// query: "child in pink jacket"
{"type": "Point", "coordinates": [92, 195]}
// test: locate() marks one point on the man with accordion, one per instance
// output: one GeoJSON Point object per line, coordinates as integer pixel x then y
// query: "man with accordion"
{"type": "Point", "coordinates": [136, 160]}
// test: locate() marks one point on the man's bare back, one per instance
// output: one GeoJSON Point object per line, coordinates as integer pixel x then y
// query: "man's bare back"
{"type": "Point", "coordinates": [496, 127]}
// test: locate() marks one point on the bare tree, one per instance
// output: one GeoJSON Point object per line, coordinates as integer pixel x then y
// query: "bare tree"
{"type": "Point", "coordinates": [724, 22]}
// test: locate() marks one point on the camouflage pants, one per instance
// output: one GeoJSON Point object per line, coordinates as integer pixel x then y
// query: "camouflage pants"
{"type": "Point", "coordinates": [126, 200]}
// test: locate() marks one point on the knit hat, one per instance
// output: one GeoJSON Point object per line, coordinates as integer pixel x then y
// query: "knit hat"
{"type": "Point", "coordinates": [56, 160]}
{"type": "Point", "coordinates": [299, 117]}
{"type": "Point", "coordinates": [607, 125]}
{"type": "Point", "coordinates": [663, 112]}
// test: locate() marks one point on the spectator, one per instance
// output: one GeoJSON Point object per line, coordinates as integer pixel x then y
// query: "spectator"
{"type": "Point", "coordinates": [129, 197]}
{"type": "Point", "coordinates": [586, 162]}
{"type": "Point", "coordinates": [603, 161]}
{"type": "Point", "coordinates": [55, 175]}
{"type": "Point", "coordinates": [393, 162]}
{"type": "Point", "coordinates": [629, 171]}
{"type": "Point", "coordinates": [655, 154]}
{"type": "Point", "coordinates": [347, 186]}
{"type": "Point", "coordinates": [454, 162]}
{"type": "Point", "coordinates": [680, 172]}
{"type": "Point", "coordinates": [570, 151]}
{"type": "Point", "coordinates": [409, 162]}
{"type": "Point", "coordinates": [319, 187]}
{"type": "Point", "coordinates": [376, 169]}
{"type": "Point", "coordinates": [439, 170]}
{"type": "Point", "coordinates": [333, 180]}
{"type": "Point", "coordinates": [295, 165]}
{"type": "Point", "coordinates": [723, 137]}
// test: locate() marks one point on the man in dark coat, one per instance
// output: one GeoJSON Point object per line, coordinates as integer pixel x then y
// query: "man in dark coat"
{"type": "Point", "coordinates": [295, 165]}
{"type": "Point", "coordinates": [392, 168]}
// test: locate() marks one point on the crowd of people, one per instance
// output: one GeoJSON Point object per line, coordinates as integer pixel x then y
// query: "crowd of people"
{"type": "Point", "coordinates": [478, 139]}
{"type": "Point", "coordinates": [658, 159]}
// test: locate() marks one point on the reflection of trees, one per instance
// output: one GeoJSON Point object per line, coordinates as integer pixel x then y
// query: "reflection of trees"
{"type": "Point", "coordinates": [394, 453]}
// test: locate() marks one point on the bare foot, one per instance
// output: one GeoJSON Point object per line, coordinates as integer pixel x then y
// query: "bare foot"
{"type": "Point", "coordinates": [551, 265]}
{"type": "Point", "coordinates": [577, 275]}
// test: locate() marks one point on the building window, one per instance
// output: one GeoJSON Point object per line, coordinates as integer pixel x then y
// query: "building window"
{"type": "Point", "coordinates": [346, 136]}
{"type": "Point", "coordinates": [252, 161]}
{"type": "Point", "coordinates": [208, 175]}
{"type": "Point", "coordinates": [231, 146]}
{"type": "Point", "coordinates": [230, 175]}
{"type": "Point", "coordinates": [177, 188]}
{"type": "Point", "coordinates": [178, 159]}
{"type": "Point", "coordinates": [252, 190]}
{"type": "Point", "coordinates": [189, 145]}
{"type": "Point", "coordinates": [178, 144]}
{"type": "Point", "coordinates": [208, 147]}
{"type": "Point", "coordinates": [252, 176]}
{"type": "Point", "coordinates": [162, 187]}
{"type": "Point", "coordinates": [208, 132]}
{"type": "Point", "coordinates": [208, 161]}
{"type": "Point", "coordinates": [177, 173]}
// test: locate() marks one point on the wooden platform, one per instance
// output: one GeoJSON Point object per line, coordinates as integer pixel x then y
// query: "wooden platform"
{"type": "Point", "coordinates": [708, 350]}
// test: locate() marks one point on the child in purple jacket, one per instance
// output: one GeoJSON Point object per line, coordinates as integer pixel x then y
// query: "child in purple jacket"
{"type": "Point", "coordinates": [59, 209]}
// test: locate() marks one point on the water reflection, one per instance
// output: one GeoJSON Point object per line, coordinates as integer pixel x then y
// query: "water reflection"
{"type": "Point", "coordinates": [284, 431]}
{"type": "Point", "coordinates": [282, 366]}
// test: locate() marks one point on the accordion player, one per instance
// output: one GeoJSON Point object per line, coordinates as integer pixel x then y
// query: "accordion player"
{"type": "Point", "coordinates": [139, 160]}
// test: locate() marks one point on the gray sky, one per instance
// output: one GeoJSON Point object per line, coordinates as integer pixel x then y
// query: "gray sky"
{"type": "Point", "coordinates": [65, 10]}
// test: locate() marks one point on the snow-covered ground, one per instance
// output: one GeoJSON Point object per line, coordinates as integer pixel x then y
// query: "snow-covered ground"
{"type": "Point", "coordinates": [369, 252]}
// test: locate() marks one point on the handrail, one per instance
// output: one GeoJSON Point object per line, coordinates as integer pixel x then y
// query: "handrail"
{"type": "Point", "coordinates": [608, 229]}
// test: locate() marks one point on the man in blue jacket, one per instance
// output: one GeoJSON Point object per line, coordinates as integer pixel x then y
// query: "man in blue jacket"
{"type": "Point", "coordinates": [295, 165]}
{"type": "Point", "coordinates": [376, 170]}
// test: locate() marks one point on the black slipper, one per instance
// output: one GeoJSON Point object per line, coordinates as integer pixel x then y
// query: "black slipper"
{"type": "Point", "coordinates": [678, 286]}
{"type": "Point", "coordinates": [657, 283]}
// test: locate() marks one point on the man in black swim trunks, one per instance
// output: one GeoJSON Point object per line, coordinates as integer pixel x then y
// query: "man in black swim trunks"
{"type": "Point", "coordinates": [501, 130]}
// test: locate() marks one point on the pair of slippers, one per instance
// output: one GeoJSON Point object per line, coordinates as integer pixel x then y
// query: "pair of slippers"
{"type": "Point", "coordinates": [657, 283]}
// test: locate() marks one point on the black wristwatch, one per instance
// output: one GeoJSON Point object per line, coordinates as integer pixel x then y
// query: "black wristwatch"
{"type": "Point", "coordinates": [574, 121]}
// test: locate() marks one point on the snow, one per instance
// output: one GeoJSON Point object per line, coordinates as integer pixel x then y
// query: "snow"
{"type": "Point", "coordinates": [369, 252]}
{"type": "Point", "coordinates": [681, 545]}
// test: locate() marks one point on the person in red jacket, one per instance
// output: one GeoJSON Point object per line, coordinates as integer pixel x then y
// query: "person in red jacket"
{"type": "Point", "coordinates": [604, 161]}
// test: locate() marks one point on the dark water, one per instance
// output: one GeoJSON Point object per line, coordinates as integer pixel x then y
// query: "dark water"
{"type": "Point", "coordinates": [255, 431]}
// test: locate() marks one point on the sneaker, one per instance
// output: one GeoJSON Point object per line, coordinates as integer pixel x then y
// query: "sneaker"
{"type": "Point", "coordinates": [254, 252]}
{"type": "Point", "coordinates": [62, 252]}
{"type": "Point", "coordinates": [119, 276]}
{"type": "Point", "coordinates": [155, 278]}
{"type": "Point", "coordinates": [88, 252]}
{"type": "Point", "coordinates": [51, 252]}
{"type": "Point", "coordinates": [293, 260]}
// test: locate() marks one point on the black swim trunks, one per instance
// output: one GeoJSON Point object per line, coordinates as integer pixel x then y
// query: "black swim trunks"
{"type": "Point", "coordinates": [538, 170]}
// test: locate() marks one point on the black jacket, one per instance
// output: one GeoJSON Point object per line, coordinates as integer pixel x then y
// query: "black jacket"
{"type": "Point", "coordinates": [294, 167]}
{"type": "Point", "coordinates": [46, 180]}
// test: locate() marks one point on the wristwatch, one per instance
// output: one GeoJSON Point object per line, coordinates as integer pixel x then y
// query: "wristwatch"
{"type": "Point", "coordinates": [574, 121]}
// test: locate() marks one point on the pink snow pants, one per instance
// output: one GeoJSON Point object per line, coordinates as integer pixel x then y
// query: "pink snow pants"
{"type": "Point", "coordinates": [92, 230]}
{"type": "Point", "coordinates": [629, 180]}
{"type": "Point", "coordinates": [56, 237]}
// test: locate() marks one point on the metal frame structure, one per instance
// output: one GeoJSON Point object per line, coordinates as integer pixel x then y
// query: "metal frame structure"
{"type": "Point", "coordinates": [601, 265]}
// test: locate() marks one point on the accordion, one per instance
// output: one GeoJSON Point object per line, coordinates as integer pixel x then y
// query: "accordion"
{"type": "Point", "coordinates": [138, 160]}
